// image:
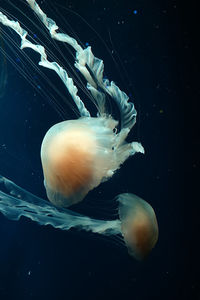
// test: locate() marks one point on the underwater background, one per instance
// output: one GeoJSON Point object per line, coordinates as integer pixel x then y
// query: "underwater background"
{"type": "Point", "coordinates": [147, 48]}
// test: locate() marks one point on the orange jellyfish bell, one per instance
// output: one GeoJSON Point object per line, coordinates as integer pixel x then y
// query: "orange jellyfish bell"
{"type": "Point", "coordinates": [78, 155]}
{"type": "Point", "coordinates": [138, 224]}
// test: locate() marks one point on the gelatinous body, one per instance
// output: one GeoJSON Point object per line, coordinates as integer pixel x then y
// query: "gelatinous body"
{"type": "Point", "coordinates": [78, 155]}
{"type": "Point", "coordinates": [139, 225]}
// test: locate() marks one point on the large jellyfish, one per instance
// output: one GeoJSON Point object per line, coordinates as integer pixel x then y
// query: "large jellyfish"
{"type": "Point", "coordinates": [78, 155]}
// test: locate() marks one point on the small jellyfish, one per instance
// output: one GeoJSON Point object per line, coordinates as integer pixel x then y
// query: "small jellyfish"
{"type": "Point", "coordinates": [139, 225]}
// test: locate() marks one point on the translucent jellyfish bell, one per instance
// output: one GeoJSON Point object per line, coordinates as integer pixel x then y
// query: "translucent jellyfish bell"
{"type": "Point", "coordinates": [78, 155]}
{"type": "Point", "coordinates": [139, 225]}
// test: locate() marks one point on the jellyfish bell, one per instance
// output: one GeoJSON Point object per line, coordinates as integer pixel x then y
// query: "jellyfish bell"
{"type": "Point", "coordinates": [138, 224]}
{"type": "Point", "coordinates": [68, 157]}
{"type": "Point", "coordinates": [78, 155]}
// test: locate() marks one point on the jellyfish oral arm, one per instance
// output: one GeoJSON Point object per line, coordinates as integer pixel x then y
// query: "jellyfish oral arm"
{"type": "Point", "coordinates": [88, 64]}
{"type": "Point", "coordinates": [15, 202]}
{"type": "Point", "coordinates": [62, 73]}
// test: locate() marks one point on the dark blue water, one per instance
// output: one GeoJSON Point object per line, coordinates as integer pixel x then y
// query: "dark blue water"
{"type": "Point", "coordinates": [152, 59]}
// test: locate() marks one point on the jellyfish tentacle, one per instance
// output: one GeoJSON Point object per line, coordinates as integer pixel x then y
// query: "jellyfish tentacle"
{"type": "Point", "coordinates": [52, 26]}
{"type": "Point", "coordinates": [62, 73]}
{"type": "Point", "coordinates": [92, 68]}
{"type": "Point", "coordinates": [86, 60]}
{"type": "Point", "coordinates": [16, 202]}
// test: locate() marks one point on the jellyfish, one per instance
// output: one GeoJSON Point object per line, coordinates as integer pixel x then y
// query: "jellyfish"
{"type": "Point", "coordinates": [139, 225]}
{"type": "Point", "coordinates": [78, 155]}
